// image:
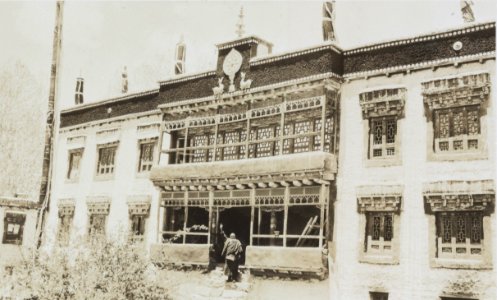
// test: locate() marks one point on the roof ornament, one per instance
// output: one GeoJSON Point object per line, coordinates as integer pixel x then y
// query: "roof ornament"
{"type": "Point", "coordinates": [179, 66]}
{"type": "Point", "coordinates": [124, 75]}
{"type": "Point", "coordinates": [328, 21]}
{"type": "Point", "coordinates": [240, 27]}
{"type": "Point", "coordinates": [467, 11]}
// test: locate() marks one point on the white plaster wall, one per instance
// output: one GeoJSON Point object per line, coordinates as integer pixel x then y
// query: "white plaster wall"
{"type": "Point", "coordinates": [126, 181]}
{"type": "Point", "coordinates": [412, 278]}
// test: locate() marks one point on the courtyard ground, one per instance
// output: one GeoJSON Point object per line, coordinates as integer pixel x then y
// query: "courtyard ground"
{"type": "Point", "coordinates": [194, 285]}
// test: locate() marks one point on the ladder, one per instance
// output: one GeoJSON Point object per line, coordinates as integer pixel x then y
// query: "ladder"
{"type": "Point", "coordinates": [311, 224]}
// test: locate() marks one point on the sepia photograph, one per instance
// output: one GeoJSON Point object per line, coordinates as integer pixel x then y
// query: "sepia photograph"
{"type": "Point", "coordinates": [239, 150]}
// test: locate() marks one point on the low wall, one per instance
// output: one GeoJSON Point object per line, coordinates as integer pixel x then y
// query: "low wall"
{"type": "Point", "coordinates": [298, 259]}
{"type": "Point", "coordinates": [179, 254]}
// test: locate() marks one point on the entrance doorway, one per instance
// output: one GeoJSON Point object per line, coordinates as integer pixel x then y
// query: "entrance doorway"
{"type": "Point", "coordinates": [236, 220]}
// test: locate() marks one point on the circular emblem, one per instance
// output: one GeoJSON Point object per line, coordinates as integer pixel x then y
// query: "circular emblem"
{"type": "Point", "coordinates": [232, 63]}
{"type": "Point", "coordinates": [457, 46]}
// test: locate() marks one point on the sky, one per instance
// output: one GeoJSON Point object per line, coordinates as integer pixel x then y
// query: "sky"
{"type": "Point", "coordinates": [101, 37]}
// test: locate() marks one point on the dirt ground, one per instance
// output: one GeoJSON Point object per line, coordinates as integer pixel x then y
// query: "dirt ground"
{"type": "Point", "coordinates": [194, 285]}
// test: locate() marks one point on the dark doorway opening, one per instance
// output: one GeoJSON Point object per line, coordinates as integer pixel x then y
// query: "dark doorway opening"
{"type": "Point", "coordinates": [237, 220]}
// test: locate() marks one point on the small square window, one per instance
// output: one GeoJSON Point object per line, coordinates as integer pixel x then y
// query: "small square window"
{"type": "Point", "coordinates": [382, 137]}
{"type": "Point", "coordinates": [457, 129]}
{"type": "Point", "coordinates": [378, 296]}
{"type": "Point", "coordinates": [106, 158]}
{"type": "Point", "coordinates": [13, 228]}
{"type": "Point", "coordinates": [74, 164]}
{"type": "Point", "coordinates": [97, 225]}
{"type": "Point", "coordinates": [137, 231]}
{"type": "Point", "coordinates": [460, 235]}
{"type": "Point", "coordinates": [146, 161]}
{"type": "Point", "coordinates": [379, 232]}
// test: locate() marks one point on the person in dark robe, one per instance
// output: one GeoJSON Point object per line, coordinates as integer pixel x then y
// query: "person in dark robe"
{"type": "Point", "coordinates": [232, 251]}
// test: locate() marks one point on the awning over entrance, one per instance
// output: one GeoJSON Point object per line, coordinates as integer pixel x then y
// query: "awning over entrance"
{"type": "Point", "coordinates": [271, 171]}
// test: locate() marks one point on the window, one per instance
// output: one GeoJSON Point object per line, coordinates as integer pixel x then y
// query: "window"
{"type": "Point", "coordinates": [174, 221]}
{"type": "Point", "coordinates": [459, 234]}
{"type": "Point", "coordinates": [381, 111]}
{"type": "Point", "coordinates": [74, 164]}
{"type": "Point", "coordinates": [457, 129]}
{"type": "Point", "coordinates": [13, 228]}
{"type": "Point", "coordinates": [63, 234]}
{"type": "Point", "coordinates": [106, 158]}
{"type": "Point", "coordinates": [146, 160]}
{"type": "Point", "coordinates": [138, 227]}
{"type": "Point", "coordinates": [97, 225]}
{"type": "Point", "coordinates": [379, 232]}
{"type": "Point", "coordinates": [378, 296]}
{"type": "Point", "coordinates": [383, 131]}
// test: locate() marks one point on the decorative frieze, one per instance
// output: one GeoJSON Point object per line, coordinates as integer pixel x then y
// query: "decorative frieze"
{"type": "Point", "coordinates": [302, 104]}
{"type": "Point", "coordinates": [148, 130]}
{"type": "Point", "coordinates": [456, 91]}
{"type": "Point", "coordinates": [383, 102]}
{"type": "Point", "coordinates": [98, 205]}
{"type": "Point", "coordinates": [459, 196]}
{"type": "Point", "coordinates": [76, 141]}
{"type": "Point", "coordinates": [66, 207]}
{"type": "Point", "coordinates": [379, 198]}
{"type": "Point", "coordinates": [138, 204]}
{"type": "Point", "coordinates": [107, 136]}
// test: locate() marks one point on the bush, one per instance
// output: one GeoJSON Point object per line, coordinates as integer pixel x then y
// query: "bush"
{"type": "Point", "coordinates": [95, 270]}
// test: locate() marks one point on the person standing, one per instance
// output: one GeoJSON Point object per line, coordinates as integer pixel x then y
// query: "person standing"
{"type": "Point", "coordinates": [232, 249]}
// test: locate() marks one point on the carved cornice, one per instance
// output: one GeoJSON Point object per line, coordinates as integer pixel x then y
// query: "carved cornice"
{"type": "Point", "coordinates": [459, 196]}
{"type": "Point", "coordinates": [379, 198]}
{"type": "Point", "coordinates": [98, 205]}
{"type": "Point", "coordinates": [464, 90]}
{"type": "Point", "coordinates": [66, 207]}
{"type": "Point", "coordinates": [383, 102]}
{"type": "Point", "coordinates": [139, 205]}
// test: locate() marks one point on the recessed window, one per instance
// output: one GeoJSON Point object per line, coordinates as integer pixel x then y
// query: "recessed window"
{"type": "Point", "coordinates": [379, 232]}
{"type": "Point", "coordinates": [97, 225]}
{"type": "Point", "coordinates": [378, 296]}
{"type": "Point", "coordinates": [460, 235]}
{"type": "Point", "coordinates": [383, 132]}
{"type": "Point", "coordinates": [63, 234]}
{"type": "Point", "coordinates": [13, 228]}
{"type": "Point", "coordinates": [74, 164]}
{"type": "Point", "coordinates": [146, 161]}
{"type": "Point", "coordinates": [138, 223]}
{"type": "Point", "coordinates": [106, 159]}
{"type": "Point", "coordinates": [457, 129]}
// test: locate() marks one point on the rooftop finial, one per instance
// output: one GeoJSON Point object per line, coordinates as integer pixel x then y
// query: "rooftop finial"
{"type": "Point", "coordinates": [179, 66]}
{"type": "Point", "coordinates": [467, 11]}
{"type": "Point", "coordinates": [240, 27]}
{"type": "Point", "coordinates": [328, 21]}
{"type": "Point", "coordinates": [124, 89]}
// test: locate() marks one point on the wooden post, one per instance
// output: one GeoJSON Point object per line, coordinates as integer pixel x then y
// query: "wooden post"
{"type": "Point", "coordinates": [186, 142]}
{"type": "Point", "coordinates": [215, 140]}
{"type": "Point", "coordinates": [248, 133]}
{"type": "Point", "coordinates": [186, 217]}
{"type": "Point", "coordinates": [51, 123]}
{"type": "Point", "coordinates": [322, 200]}
{"type": "Point", "coordinates": [323, 121]}
{"type": "Point", "coordinates": [282, 123]}
{"type": "Point", "coordinates": [286, 201]}
{"type": "Point", "coordinates": [252, 211]}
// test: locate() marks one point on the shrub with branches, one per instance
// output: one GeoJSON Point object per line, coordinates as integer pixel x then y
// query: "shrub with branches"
{"type": "Point", "coordinates": [95, 270]}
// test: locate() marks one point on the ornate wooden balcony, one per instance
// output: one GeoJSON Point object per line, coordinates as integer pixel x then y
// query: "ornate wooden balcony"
{"type": "Point", "coordinates": [297, 169]}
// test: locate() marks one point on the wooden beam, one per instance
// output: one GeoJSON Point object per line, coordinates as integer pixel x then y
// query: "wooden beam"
{"type": "Point", "coordinates": [297, 183]}
{"type": "Point", "coordinates": [229, 187]}
{"type": "Point", "coordinates": [184, 188]}
{"type": "Point", "coordinates": [167, 188]}
{"type": "Point", "coordinates": [273, 184]}
{"type": "Point", "coordinates": [251, 185]}
{"type": "Point", "coordinates": [284, 183]}
{"type": "Point", "coordinates": [306, 181]}
{"type": "Point", "coordinates": [262, 185]}
{"type": "Point", "coordinates": [241, 186]}
{"type": "Point", "coordinates": [220, 187]}
{"type": "Point", "coordinates": [192, 188]}
{"type": "Point", "coordinates": [321, 181]}
{"type": "Point", "coordinates": [210, 188]}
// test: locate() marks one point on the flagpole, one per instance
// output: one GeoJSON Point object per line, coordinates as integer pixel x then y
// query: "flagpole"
{"type": "Point", "coordinates": [50, 125]}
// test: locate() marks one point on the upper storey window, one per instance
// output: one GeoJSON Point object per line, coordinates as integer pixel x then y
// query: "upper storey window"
{"type": "Point", "coordinates": [147, 150]}
{"type": "Point", "coordinates": [273, 127]}
{"type": "Point", "coordinates": [456, 107]}
{"type": "Point", "coordinates": [382, 109]}
{"type": "Point", "coordinates": [106, 159]}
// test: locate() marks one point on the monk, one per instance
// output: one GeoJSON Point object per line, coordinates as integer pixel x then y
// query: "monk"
{"type": "Point", "coordinates": [232, 249]}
